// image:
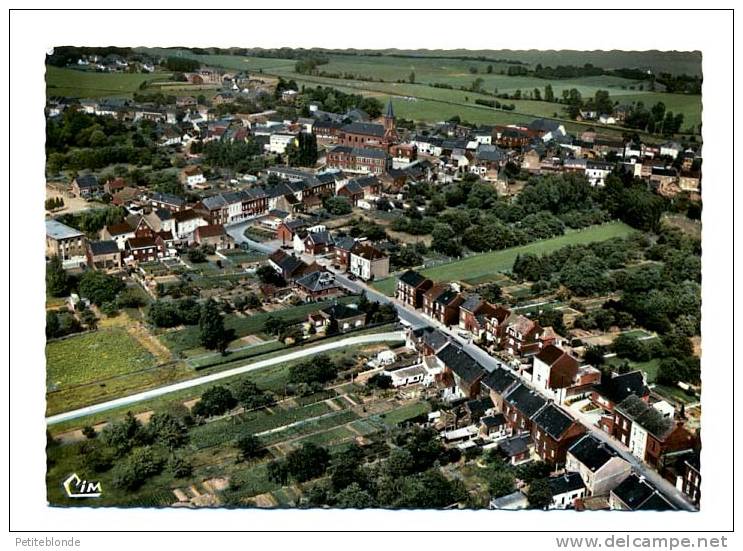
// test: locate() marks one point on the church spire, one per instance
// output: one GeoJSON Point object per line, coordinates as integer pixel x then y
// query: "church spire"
{"type": "Point", "coordinates": [390, 113]}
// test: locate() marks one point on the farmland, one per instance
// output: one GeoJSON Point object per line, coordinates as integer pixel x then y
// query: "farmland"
{"type": "Point", "coordinates": [94, 356]}
{"type": "Point", "coordinates": [89, 84]}
{"type": "Point", "coordinates": [500, 261]}
{"type": "Point", "coordinates": [389, 76]}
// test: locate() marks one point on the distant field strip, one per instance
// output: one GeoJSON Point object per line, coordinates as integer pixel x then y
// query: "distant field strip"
{"type": "Point", "coordinates": [478, 266]}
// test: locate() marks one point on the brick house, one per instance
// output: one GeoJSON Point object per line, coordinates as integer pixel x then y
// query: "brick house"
{"type": "Point", "coordinates": [553, 432]}
{"type": "Point", "coordinates": [467, 372]}
{"type": "Point", "coordinates": [411, 286]}
{"type": "Point", "coordinates": [520, 404]}
{"type": "Point", "coordinates": [562, 375]}
{"type": "Point", "coordinates": [441, 303]}
{"type": "Point", "coordinates": [648, 433]}
{"type": "Point", "coordinates": [473, 315]}
{"type": "Point", "coordinates": [316, 285]}
{"type": "Point", "coordinates": [86, 185]}
{"type": "Point", "coordinates": [497, 383]}
{"type": "Point", "coordinates": [343, 247]}
{"type": "Point", "coordinates": [355, 159]}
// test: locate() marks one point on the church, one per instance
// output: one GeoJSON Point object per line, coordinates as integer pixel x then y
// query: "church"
{"type": "Point", "coordinates": [371, 135]}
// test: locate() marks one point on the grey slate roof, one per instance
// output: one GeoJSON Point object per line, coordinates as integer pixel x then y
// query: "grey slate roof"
{"type": "Point", "coordinates": [499, 380]}
{"type": "Point", "coordinates": [103, 247]}
{"type": "Point", "coordinates": [412, 278]}
{"type": "Point", "coordinates": [364, 128]}
{"type": "Point", "coordinates": [568, 482]}
{"type": "Point", "coordinates": [553, 421]}
{"type": "Point", "coordinates": [318, 281]}
{"type": "Point", "coordinates": [592, 452]}
{"type": "Point", "coordinates": [525, 400]}
{"type": "Point", "coordinates": [461, 363]}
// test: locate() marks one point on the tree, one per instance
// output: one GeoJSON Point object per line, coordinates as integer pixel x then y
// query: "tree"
{"type": "Point", "coordinates": [249, 446]}
{"type": "Point", "coordinates": [274, 325]}
{"type": "Point", "coordinates": [380, 380]}
{"type": "Point", "coordinates": [250, 396]}
{"type": "Point", "coordinates": [549, 94]}
{"type": "Point", "coordinates": [180, 467]}
{"type": "Point", "coordinates": [99, 287]}
{"type": "Point", "coordinates": [539, 494]}
{"type": "Point", "coordinates": [140, 465]}
{"type": "Point", "coordinates": [212, 333]}
{"type": "Point", "coordinates": [269, 276]}
{"type": "Point", "coordinates": [167, 430]}
{"type": "Point", "coordinates": [337, 205]}
{"type": "Point", "coordinates": [501, 483]}
{"type": "Point", "coordinates": [594, 355]}
{"type": "Point", "coordinates": [307, 462]}
{"type": "Point", "coordinates": [123, 436]}
{"type": "Point", "coordinates": [57, 282]}
{"type": "Point", "coordinates": [196, 256]}
{"type": "Point", "coordinates": [303, 151]}
{"type": "Point", "coordinates": [215, 401]}
{"type": "Point", "coordinates": [354, 496]}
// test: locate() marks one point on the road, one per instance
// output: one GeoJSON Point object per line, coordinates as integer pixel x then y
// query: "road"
{"type": "Point", "coordinates": [161, 391]}
{"type": "Point", "coordinates": [236, 231]}
{"type": "Point", "coordinates": [417, 319]}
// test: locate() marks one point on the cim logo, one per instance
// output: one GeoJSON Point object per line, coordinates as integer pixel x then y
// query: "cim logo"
{"type": "Point", "coordinates": [75, 487]}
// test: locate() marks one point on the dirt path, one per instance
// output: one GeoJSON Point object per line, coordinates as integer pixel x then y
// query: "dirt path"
{"type": "Point", "coordinates": [139, 332]}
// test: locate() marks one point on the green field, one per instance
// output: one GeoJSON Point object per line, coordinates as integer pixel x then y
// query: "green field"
{"type": "Point", "coordinates": [94, 356]}
{"type": "Point", "coordinates": [410, 411]}
{"type": "Point", "coordinates": [88, 84]}
{"type": "Point", "coordinates": [480, 265]}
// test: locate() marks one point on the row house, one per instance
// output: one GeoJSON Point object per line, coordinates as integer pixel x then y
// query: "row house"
{"type": "Point", "coordinates": [553, 432]}
{"type": "Point", "coordinates": [428, 340]}
{"type": "Point", "coordinates": [118, 233]}
{"type": "Point", "coordinates": [213, 235]}
{"type": "Point", "coordinates": [343, 247]}
{"type": "Point", "coordinates": [561, 375]}
{"type": "Point", "coordinates": [289, 266]}
{"type": "Point", "coordinates": [441, 303]}
{"type": "Point", "coordinates": [648, 433]}
{"type": "Point", "coordinates": [525, 337]}
{"type": "Point", "coordinates": [185, 223]}
{"type": "Point", "coordinates": [614, 388]}
{"type": "Point", "coordinates": [497, 383]}
{"type": "Point", "coordinates": [167, 201]}
{"type": "Point", "coordinates": [327, 131]}
{"type": "Point", "coordinates": [466, 372]}
{"type": "Point", "coordinates": [316, 243]}
{"type": "Point", "coordinates": [598, 464]}
{"type": "Point", "coordinates": [520, 404]}
{"type": "Point", "coordinates": [144, 249]}
{"type": "Point", "coordinates": [635, 493]}
{"type": "Point", "coordinates": [473, 315]}
{"type": "Point", "coordinates": [411, 286]}
{"type": "Point", "coordinates": [495, 326]}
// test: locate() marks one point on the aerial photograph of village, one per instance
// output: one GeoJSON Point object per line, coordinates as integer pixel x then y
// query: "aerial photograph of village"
{"type": "Point", "coordinates": [373, 279]}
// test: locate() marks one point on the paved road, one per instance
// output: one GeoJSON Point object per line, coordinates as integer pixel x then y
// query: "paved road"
{"type": "Point", "coordinates": [236, 232]}
{"type": "Point", "coordinates": [161, 391]}
{"type": "Point", "coordinates": [417, 319]}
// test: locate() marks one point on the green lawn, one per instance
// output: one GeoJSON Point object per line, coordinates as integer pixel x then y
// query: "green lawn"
{"type": "Point", "coordinates": [187, 339]}
{"type": "Point", "coordinates": [93, 356]}
{"type": "Point", "coordinates": [477, 266]}
{"type": "Point", "coordinates": [650, 367]}
{"type": "Point", "coordinates": [397, 416]}
{"type": "Point", "coordinates": [89, 84]}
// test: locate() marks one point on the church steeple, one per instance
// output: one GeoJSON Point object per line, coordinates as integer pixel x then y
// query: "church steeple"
{"type": "Point", "coordinates": [390, 132]}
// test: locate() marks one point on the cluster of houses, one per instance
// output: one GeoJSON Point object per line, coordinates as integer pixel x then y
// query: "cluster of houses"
{"type": "Point", "coordinates": [495, 326]}
{"type": "Point", "coordinates": [527, 417]}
